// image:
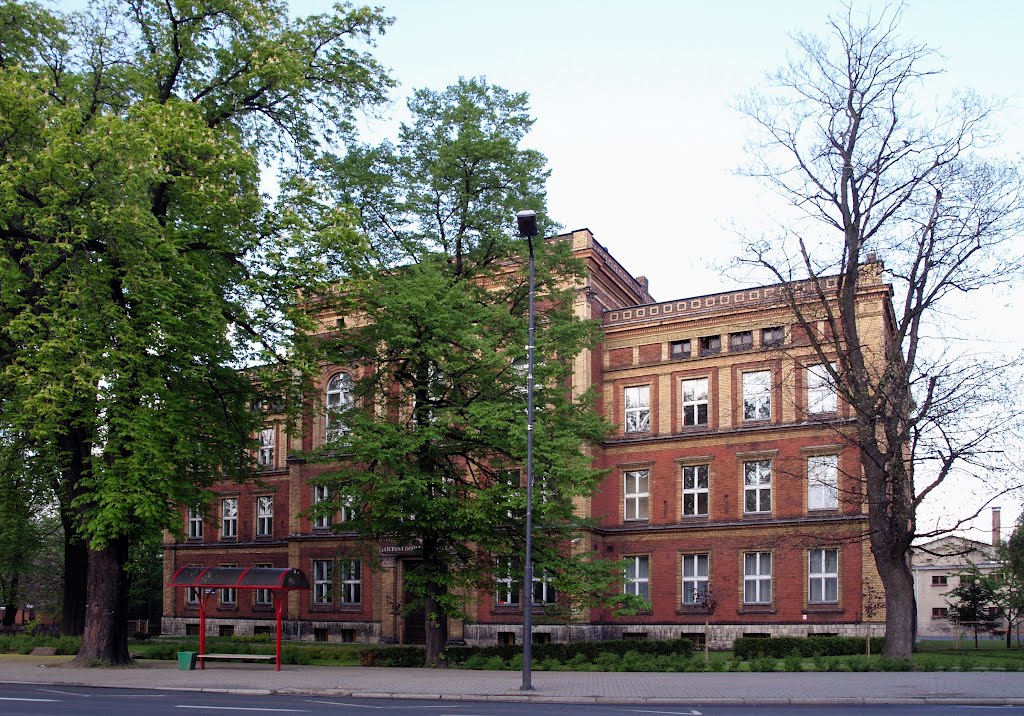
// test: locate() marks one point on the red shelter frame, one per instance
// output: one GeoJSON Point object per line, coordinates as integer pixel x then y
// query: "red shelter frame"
{"type": "Point", "coordinates": [279, 581]}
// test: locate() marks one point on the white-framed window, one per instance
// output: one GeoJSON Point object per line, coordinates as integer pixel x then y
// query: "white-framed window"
{"type": "Point", "coordinates": [321, 493]}
{"type": "Point", "coordinates": [821, 391]}
{"type": "Point", "coordinates": [637, 578]}
{"type": "Point", "coordinates": [757, 395]}
{"type": "Point", "coordinates": [264, 515]}
{"type": "Point", "coordinates": [229, 517]}
{"type": "Point", "coordinates": [695, 490]}
{"type": "Point", "coordinates": [823, 482]}
{"type": "Point", "coordinates": [265, 455]}
{"type": "Point", "coordinates": [757, 578]}
{"type": "Point", "coordinates": [340, 398]}
{"type": "Point", "coordinates": [757, 486]}
{"type": "Point", "coordinates": [636, 495]}
{"type": "Point", "coordinates": [506, 584]}
{"type": "Point", "coordinates": [638, 408]}
{"type": "Point", "coordinates": [263, 597]}
{"type": "Point", "coordinates": [323, 581]}
{"type": "Point", "coordinates": [228, 595]}
{"type": "Point", "coordinates": [195, 523]}
{"type": "Point", "coordinates": [823, 576]}
{"type": "Point", "coordinates": [695, 578]}
{"type": "Point", "coordinates": [543, 591]}
{"type": "Point", "coordinates": [351, 581]}
{"type": "Point", "coordinates": [695, 401]}
{"type": "Point", "coordinates": [348, 509]}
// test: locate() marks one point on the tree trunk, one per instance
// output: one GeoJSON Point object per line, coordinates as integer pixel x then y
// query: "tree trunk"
{"type": "Point", "coordinates": [436, 626]}
{"type": "Point", "coordinates": [105, 638]}
{"type": "Point", "coordinates": [76, 571]}
{"type": "Point", "coordinates": [899, 602]}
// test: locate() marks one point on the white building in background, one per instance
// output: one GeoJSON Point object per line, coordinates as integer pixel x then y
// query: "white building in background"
{"type": "Point", "coordinates": [935, 566]}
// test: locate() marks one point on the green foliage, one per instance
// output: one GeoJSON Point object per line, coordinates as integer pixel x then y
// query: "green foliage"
{"type": "Point", "coordinates": [782, 646]}
{"type": "Point", "coordinates": [763, 663]}
{"type": "Point", "coordinates": [391, 656]}
{"type": "Point", "coordinates": [793, 662]}
{"type": "Point", "coordinates": [433, 448]}
{"type": "Point", "coordinates": [24, 643]}
{"type": "Point", "coordinates": [577, 652]}
{"type": "Point", "coordinates": [140, 265]}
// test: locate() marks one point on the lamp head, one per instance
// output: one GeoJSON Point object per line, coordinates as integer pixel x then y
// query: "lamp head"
{"type": "Point", "coordinates": [527, 222]}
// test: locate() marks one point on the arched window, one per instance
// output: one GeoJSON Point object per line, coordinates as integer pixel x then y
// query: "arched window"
{"type": "Point", "coordinates": [339, 399]}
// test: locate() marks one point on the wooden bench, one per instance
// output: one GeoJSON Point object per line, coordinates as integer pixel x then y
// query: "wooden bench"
{"type": "Point", "coordinates": [239, 657]}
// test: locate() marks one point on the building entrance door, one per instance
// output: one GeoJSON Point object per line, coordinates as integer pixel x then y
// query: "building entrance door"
{"type": "Point", "coordinates": [415, 626]}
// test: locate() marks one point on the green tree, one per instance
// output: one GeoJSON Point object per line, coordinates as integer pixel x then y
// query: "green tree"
{"type": "Point", "coordinates": [970, 600]}
{"type": "Point", "coordinates": [1008, 585]}
{"type": "Point", "coordinates": [872, 175]}
{"type": "Point", "coordinates": [140, 265]}
{"type": "Point", "coordinates": [430, 454]}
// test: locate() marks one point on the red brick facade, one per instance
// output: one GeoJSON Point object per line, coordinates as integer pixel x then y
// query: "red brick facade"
{"type": "Point", "coordinates": [753, 490]}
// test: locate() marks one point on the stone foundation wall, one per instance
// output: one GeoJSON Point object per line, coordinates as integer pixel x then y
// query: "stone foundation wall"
{"type": "Point", "coordinates": [292, 630]}
{"type": "Point", "coordinates": [720, 636]}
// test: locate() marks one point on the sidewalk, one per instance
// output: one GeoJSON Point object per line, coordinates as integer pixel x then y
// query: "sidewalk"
{"type": "Point", "coordinates": [972, 688]}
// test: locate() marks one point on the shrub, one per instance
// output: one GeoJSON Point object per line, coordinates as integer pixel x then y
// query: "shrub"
{"type": "Point", "coordinates": [967, 663]}
{"type": "Point", "coordinates": [900, 664]}
{"type": "Point", "coordinates": [717, 663]}
{"type": "Point", "coordinates": [762, 663]}
{"type": "Point", "coordinates": [858, 663]}
{"type": "Point", "coordinates": [392, 656]}
{"type": "Point", "coordinates": [566, 653]}
{"type": "Point", "coordinates": [781, 646]}
{"type": "Point", "coordinates": [793, 662]}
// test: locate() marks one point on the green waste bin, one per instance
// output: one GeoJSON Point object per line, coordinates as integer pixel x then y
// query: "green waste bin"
{"type": "Point", "coordinates": [186, 660]}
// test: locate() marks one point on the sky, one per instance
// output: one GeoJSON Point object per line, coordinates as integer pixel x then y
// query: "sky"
{"type": "Point", "coordinates": [635, 111]}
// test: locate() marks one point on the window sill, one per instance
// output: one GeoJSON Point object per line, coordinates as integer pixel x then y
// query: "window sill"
{"type": "Point", "coordinates": [756, 609]}
{"type": "Point", "coordinates": [693, 610]}
{"type": "Point", "coordinates": [227, 607]}
{"type": "Point", "coordinates": [230, 540]}
{"type": "Point", "coordinates": [694, 518]}
{"type": "Point", "coordinates": [701, 428]}
{"type": "Point", "coordinates": [757, 515]}
{"type": "Point", "coordinates": [823, 609]}
{"type": "Point", "coordinates": [321, 608]}
{"type": "Point", "coordinates": [263, 607]}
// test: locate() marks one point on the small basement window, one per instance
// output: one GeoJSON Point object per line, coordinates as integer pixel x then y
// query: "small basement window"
{"type": "Point", "coordinates": [634, 635]}
{"type": "Point", "coordinates": [320, 634]}
{"type": "Point", "coordinates": [506, 638]}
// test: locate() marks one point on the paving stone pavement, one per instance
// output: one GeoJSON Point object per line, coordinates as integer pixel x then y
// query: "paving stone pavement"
{"type": "Point", "coordinates": [971, 688]}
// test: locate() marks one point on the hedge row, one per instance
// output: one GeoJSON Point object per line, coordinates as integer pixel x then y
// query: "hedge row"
{"type": "Point", "coordinates": [779, 647]}
{"type": "Point", "coordinates": [563, 653]}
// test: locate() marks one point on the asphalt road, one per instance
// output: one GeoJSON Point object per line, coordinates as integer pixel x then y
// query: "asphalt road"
{"type": "Point", "coordinates": [45, 700]}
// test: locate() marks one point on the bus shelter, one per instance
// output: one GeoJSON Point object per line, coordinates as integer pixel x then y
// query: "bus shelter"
{"type": "Point", "coordinates": [206, 580]}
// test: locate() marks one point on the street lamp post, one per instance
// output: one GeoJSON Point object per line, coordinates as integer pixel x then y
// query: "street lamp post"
{"type": "Point", "coordinates": [527, 224]}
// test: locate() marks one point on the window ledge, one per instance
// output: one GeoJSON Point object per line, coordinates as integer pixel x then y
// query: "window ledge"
{"type": "Point", "coordinates": [755, 609]}
{"type": "Point", "coordinates": [687, 609]}
{"type": "Point", "coordinates": [227, 607]}
{"type": "Point", "coordinates": [694, 518]}
{"type": "Point", "coordinates": [321, 608]}
{"type": "Point", "coordinates": [823, 609]}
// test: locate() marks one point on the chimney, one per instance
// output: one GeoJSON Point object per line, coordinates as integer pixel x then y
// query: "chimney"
{"type": "Point", "coordinates": [995, 527]}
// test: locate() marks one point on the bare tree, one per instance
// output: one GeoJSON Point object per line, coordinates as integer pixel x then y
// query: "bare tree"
{"type": "Point", "coordinates": [872, 173]}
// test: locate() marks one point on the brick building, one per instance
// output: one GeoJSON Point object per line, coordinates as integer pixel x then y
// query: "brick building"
{"type": "Point", "coordinates": [728, 473]}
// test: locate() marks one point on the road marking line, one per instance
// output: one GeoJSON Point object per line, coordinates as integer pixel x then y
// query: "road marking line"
{"type": "Point", "coordinates": [66, 693]}
{"type": "Point", "coordinates": [241, 708]}
{"type": "Point", "coordinates": [675, 713]}
{"type": "Point", "coordinates": [343, 703]}
{"type": "Point", "coordinates": [15, 698]}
